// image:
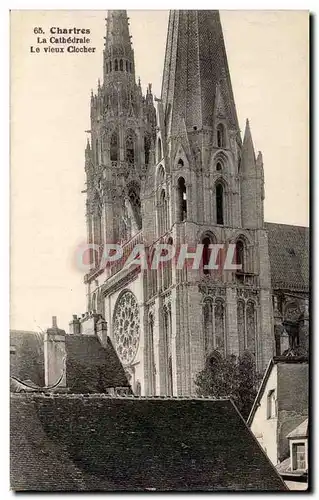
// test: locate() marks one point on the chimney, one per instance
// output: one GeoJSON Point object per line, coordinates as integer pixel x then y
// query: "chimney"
{"type": "Point", "coordinates": [75, 325]}
{"type": "Point", "coordinates": [54, 355]}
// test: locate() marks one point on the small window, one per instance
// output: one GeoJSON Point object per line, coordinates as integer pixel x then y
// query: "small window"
{"type": "Point", "coordinates": [219, 204]}
{"type": "Point", "coordinates": [159, 149]}
{"type": "Point", "coordinates": [218, 166]}
{"type": "Point", "coordinates": [126, 66]}
{"type": "Point", "coordinates": [220, 136]}
{"type": "Point", "coordinates": [271, 404]}
{"type": "Point", "coordinates": [299, 456]}
{"type": "Point", "coordinates": [206, 254]}
{"type": "Point", "coordinates": [121, 64]}
{"type": "Point", "coordinates": [182, 199]}
{"type": "Point", "coordinates": [110, 66]}
{"type": "Point", "coordinates": [131, 68]}
{"type": "Point", "coordinates": [116, 65]}
{"type": "Point", "coordinates": [180, 163]}
{"type": "Point", "coordinates": [239, 254]}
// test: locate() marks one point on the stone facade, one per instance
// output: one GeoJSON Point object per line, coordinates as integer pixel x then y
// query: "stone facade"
{"type": "Point", "coordinates": [178, 174]}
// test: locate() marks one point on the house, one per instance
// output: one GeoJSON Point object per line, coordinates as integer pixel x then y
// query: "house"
{"type": "Point", "coordinates": [280, 405]}
{"type": "Point", "coordinates": [98, 442]}
{"type": "Point", "coordinates": [294, 470]}
{"type": "Point", "coordinates": [64, 362]}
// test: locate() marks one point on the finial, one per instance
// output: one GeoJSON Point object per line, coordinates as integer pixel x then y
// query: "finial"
{"type": "Point", "coordinates": [54, 322]}
{"type": "Point", "coordinates": [99, 83]}
{"type": "Point", "coordinates": [259, 161]}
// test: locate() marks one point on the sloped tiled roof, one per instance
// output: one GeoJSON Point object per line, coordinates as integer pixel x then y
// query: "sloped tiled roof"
{"type": "Point", "coordinates": [300, 431]}
{"type": "Point", "coordinates": [289, 256]}
{"type": "Point", "coordinates": [99, 443]}
{"type": "Point", "coordinates": [27, 360]}
{"type": "Point", "coordinates": [90, 367]}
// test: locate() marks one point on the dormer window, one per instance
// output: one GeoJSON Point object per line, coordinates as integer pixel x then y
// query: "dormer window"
{"type": "Point", "coordinates": [221, 142]}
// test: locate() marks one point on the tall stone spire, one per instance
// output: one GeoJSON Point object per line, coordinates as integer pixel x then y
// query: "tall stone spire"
{"type": "Point", "coordinates": [195, 67]}
{"type": "Point", "coordinates": [118, 51]}
{"type": "Point", "coordinates": [248, 153]}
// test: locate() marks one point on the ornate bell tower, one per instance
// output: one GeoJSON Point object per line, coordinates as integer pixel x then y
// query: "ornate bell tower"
{"type": "Point", "coordinates": [209, 189]}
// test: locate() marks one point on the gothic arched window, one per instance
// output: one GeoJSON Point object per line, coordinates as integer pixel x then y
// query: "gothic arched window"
{"type": "Point", "coordinates": [221, 136]}
{"type": "Point", "coordinates": [240, 254]}
{"type": "Point", "coordinates": [116, 65]}
{"type": "Point", "coordinates": [97, 152]}
{"type": "Point", "coordinates": [110, 66]}
{"type": "Point", "coordinates": [121, 64]}
{"type": "Point", "coordinates": [182, 199]}
{"type": "Point", "coordinates": [152, 367]}
{"type": "Point", "coordinates": [131, 68]}
{"type": "Point", "coordinates": [126, 66]}
{"type": "Point", "coordinates": [218, 166]}
{"type": "Point", "coordinates": [159, 150]}
{"type": "Point", "coordinates": [134, 197]}
{"type": "Point", "coordinates": [219, 313]}
{"type": "Point", "coordinates": [130, 147]}
{"type": "Point", "coordinates": [147, 147]}
{"type": "Point", "coordinates": [206, 254]}
{"type": "Point", "coordinates": [241, 325]}
{"type": "Point", "coordinates": [107, 67]}
{"type": "Point", "coordinates": [167, 317]}
{"type": "Point", "coordinates": [219, 203]}
{"type": "Point", "coordinates": [114, 146]}
{"type": "Point", "coordinates": [208, 326]}
{"type": "Point", "coordinates": [251, 327]}
{"type": "Point", "coordinates": [163, 213]}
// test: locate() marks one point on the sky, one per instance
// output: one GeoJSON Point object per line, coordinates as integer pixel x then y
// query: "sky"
{"type": "Point", "coordinates": [50, 108]}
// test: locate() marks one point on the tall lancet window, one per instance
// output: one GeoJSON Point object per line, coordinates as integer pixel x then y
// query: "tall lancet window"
{"type": "Point", "coordinates": [121, 64]}
{"type": "Point", "coordinates": [181, 199]}
{"type": "Point", "coordinates": [208, 326]}
{"type": "Point", "coordinates": [219, 313]}
{"type": "Point", "coordinates": [114, 143]}
{"type": "Point", "coordinates": [116, 65]}
{"type": "Point", "coordinates": [134, 197]}
{"type": "Point", "coordinates": [251, 327]}
{"type": "Point", "coordinates": [221, 136]}
{"type": "Point", "coordinates": [219, 203]}
{"type": "Point", "coordinates": [130, 147]}
{"type": "Point", "coordinates": [97, 152]}
{"type": "Point", "coordinates": [239, 254]}
{"type": "Point", "coordinates": [206, 254]}
{"type": "Point", "coordinates": [241, 325]}
{"type": "Point", "coordinates": [168, 349]}
{"type": "Point", "coordinates": [163, 218]}
{"type": "Point", "coordinates": [152, 367]}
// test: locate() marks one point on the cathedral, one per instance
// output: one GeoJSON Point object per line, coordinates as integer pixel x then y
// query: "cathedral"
{"type": "Point", "coordinates": [175, 170]}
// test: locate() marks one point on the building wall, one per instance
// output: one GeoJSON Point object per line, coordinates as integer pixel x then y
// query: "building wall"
{"type": "Point", "coordinates": [265, 429]}
{"type": "Point", "coordinates": [293, 392]}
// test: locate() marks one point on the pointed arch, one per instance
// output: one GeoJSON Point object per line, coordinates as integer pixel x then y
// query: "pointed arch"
{"type": "Point", "coordinates": [159, 149]}
{"type": "Point", "coordinates": [241, 325]}
{"type": "Point", "coordinates": [221, 135]}
{"type": "Point", "coordinates": [135, 201]}
{"type": "Point", "coordinates": [220, 203]}
{"type": "Point", "coordinates": [114, 145]}
{"type": "Point", "coordinates": [207, 239]}
{"type": "Point", "coordinates": [121, 64]}
{"type": "Point", "coordinates": [116, 65]}
{"type": "Point", "coordinates": [181, 199]}
{"type": "Point", "coordinates": [130, 144]}
{"type": "Point", "coordinates": [251, 327]}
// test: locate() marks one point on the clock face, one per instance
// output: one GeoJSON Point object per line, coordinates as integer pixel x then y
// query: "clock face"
{"type": "Point", "coordinates": [126, 327]}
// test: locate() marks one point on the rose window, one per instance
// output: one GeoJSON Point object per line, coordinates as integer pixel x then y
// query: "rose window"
{"type": "Point", "coordinates": [126, 327]}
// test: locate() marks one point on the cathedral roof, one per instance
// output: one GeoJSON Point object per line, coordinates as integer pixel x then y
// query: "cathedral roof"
{"type": "Point", "coordinates": [289, 256]}
{"type": "Point", "coordinates": [102, 443]}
